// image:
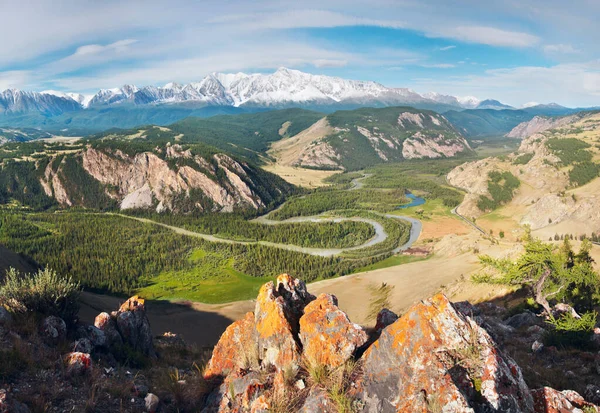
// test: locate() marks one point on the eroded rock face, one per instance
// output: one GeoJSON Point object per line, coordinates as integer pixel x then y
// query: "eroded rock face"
{"type": "Point", "coordinates": [328, 336]}
{"type": "Point", "coordinates": [235, 349]}
{"type": "Point", "coordinates": [278, 310]}
{"type": "Point", "coordinates": [434, 355]}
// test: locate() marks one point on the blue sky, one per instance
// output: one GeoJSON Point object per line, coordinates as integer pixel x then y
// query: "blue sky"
{"type": "Point", "coordinates": [514, 51]}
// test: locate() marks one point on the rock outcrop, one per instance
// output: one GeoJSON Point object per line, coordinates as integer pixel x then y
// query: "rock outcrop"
{"type": "Point", "coordinates": [539, 124]}
{"type": "Point", "coordinates": [434, 355]}
{"type": "Point", "coordinates": [435, 358]}
{"type": "Point", "coordinates": [168, 178]}
{"type": "Point", "coordinates": [128, 325]}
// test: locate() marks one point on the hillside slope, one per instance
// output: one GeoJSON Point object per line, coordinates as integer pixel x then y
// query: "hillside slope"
{"type": "Point", "coordinates": [558, 173]}
{"type": "Point", "coordinates": [133, 173]}
{"type": "Point", "coordinates": [349, 140]}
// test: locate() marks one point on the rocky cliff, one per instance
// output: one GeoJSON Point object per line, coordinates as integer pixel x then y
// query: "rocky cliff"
{"type": "Point", "coordinates": [161, 178]}
{"type": "Point", "coordinates": [539, 124]}
{"type": "Point", "coordinates": [363, 137]}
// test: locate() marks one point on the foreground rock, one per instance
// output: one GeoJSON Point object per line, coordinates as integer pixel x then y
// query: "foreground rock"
{"type": "Point", "coordinates": [293, 353]}
{"type": "Point", "coordinates": [434, 355]}
{"type": "Point", "coordinates": [128, 325]}
{"type": "Point", "coordinates": [327, 335]}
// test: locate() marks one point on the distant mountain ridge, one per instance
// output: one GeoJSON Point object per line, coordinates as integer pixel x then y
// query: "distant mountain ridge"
{"type": "Point", "coordinates": [283, 88]}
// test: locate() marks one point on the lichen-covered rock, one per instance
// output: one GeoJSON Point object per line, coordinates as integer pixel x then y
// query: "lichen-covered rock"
{"type": "Point", "coordinates": [384, 319]}
{"type": "Point", "coordinates": [548, 400]}
{"type": "Point", "coordinates": [134, 327]}
{"type": "Point", "coordinates": [328, 336]}
{"type": "Point", "coordinates": [278, 310]}
{"type": "Point", "coordinates": [108, 325]}
{"type": "Point", "coordinates": [236, 348]}
{"type": "Point", "coordinates": [435, 356]}
{"type": "Point", "coordinates": [260, 405]}
{"type": "Point", "coordinates": [77, 363]}
{"type": "Point", "coordinates": [53, 329]}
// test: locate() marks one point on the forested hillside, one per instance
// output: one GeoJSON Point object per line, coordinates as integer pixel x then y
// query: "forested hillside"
{"type": "Point", "coordinates": [134, 173]}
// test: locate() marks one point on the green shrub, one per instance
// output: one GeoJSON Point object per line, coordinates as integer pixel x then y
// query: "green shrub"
{"type": "Point", "coordinates": [572, 332]}
{"type": "Point", "coordinates": [44, 292]}
{"type": "Point", "coordinates": [523, 159]}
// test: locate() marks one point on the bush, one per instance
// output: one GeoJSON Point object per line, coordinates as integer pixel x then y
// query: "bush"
{"type": "Point", "coordinates": [572, 332]}
{"type": "Point", "coordinates": [44, 292]}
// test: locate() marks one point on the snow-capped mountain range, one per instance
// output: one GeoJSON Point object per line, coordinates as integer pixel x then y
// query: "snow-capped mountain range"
{"type": "Point", "coordinates": [283, 88]}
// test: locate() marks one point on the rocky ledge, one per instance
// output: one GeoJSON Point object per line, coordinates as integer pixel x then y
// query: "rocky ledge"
{"type": "Point", "coordinates": [435, 358]}
{"type": "Point", "coordinates": [294, 353]}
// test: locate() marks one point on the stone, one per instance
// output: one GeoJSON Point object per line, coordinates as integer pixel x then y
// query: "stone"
{"type": "Point", "coordinates": [317, 402]}
{"type": "Point", "coordinates": [592, 393]}
{"type": "Point", "coordinates": [77, 363]}
{"type": "Point", "coordinates": [548, 400]}
{"type": "Point", "coordinates": [94, 334]}
{"type": "Point", "coordinates": [327, 335]}
{"type": "Point", "coordinates": [466, 308]}
{"type": "Point", "coordinates": [561, 309]}
{"type": "Point", "coordinates": [537, 346]}
{"type": "Point", "coordinates": [134, 327]}
{"type": "Point", "coordinates": [526, 318]}
{"type": "Point", "coordinates": [108, 325]}
{"type": "Point", "coordinates": [384, 319]}
{"type": "Point", "coordinates": [276, 318]}
{"type": "Point", "coordinates": [236, 349]}
{"type": "Point", "coordinates": [260, 405]}
{"type": "Point", "coordinates": [83, 345]}
{"type": "Point", "coordinates": [435, 355]}
{"type": "Point", "coordinates": [151, 402]}
{"type": "Point", "coordinates": [53, 330]}
{"type": "Point", "coordinates": [5, 317]}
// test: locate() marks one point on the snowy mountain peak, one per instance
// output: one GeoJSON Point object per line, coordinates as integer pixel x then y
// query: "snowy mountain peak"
{"type": "Point", "coordinates": [283, 88]}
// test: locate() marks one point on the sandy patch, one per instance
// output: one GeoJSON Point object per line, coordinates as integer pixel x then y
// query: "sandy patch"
{"type": "Point", "coordinates": [438, 227]}
{"type": "Point", "coordinates": [308, 178]}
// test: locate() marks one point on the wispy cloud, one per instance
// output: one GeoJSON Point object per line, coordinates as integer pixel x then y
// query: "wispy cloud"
{"type": "Point", "coordinates": [438, 66]}
{"type": "Point", "coordinates": [489, 35]}
{"type": "Point", "coordinates": [446, 48]}
{"type": "Point", "coordinates": [561, 49]}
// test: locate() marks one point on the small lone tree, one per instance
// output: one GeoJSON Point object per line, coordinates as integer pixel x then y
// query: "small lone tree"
{"type": "Point", "coordinates": [548, 273]}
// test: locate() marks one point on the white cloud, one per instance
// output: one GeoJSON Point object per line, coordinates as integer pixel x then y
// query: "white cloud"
{"type": "Point", "coordinates": [290, 19]}
{"type": "Point", "coordinates": [327, 63]}
{"type": "Point", "coordinates": [561, 49]}
{"type": "Point", "coordinates": [576, 84]}
{"type": "Point", "coordinates": [446, 48]}
{"type": "Point", "coordinates": [94, 49]}
{"type": "Point", "coordinates": [14, 79]}
{"type": "Point", "coordinates": [439, 66]}
{"type": "Point", "coordinates": [488, 35]}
